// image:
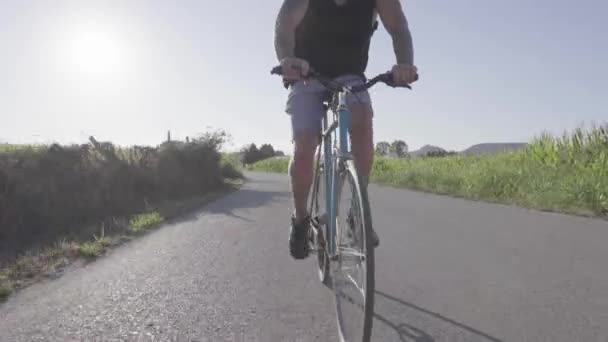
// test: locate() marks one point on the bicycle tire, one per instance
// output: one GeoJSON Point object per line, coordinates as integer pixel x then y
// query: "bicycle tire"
{"type": "Point", "coordinates": [365, 212]}
{"type": "Point", "coordinates": [318, 239]}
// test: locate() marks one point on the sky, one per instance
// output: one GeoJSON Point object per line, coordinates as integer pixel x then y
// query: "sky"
{"type": "Point", "coordinates": [128, 71]}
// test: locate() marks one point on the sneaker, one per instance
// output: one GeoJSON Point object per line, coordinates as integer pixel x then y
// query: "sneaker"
{"type": "Point", "coordinates": [298, 238]}
{"type": "Point", "coordinates": [374, 235]}
{"type": "Point", "coordinates": [375, 238]}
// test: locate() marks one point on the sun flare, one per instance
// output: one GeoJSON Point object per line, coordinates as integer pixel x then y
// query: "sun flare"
{"type": "Point", "coordinates": [95, 52]}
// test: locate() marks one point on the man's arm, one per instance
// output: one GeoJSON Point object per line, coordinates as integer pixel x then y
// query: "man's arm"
{"type": "Point", "coordinates": [394, 21]}
{"type": "Point", "coordinates": [290, 15]}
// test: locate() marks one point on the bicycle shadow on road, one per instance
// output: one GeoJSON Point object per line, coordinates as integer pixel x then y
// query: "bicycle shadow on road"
{"type": "Point", "coordinates": [407, 332]}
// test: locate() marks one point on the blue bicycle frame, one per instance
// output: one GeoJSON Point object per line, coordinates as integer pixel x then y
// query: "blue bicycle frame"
{"type": "Point", "coordinates": [330, 162]}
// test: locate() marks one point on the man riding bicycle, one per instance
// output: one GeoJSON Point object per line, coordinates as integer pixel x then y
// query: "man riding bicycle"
{"type": "Point", "coordinates": [332, 37]}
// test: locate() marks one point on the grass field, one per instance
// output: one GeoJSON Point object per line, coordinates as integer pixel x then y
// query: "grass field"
{"type": "Point", "coordinates": [275, 164]}
{"type": "Point", "coordinates": [564, 174]}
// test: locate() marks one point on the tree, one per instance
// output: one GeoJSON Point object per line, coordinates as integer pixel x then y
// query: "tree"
{"type": "Point", "coordinates": [266, 151]}
{"type": "Point", "coordinates": [383, 148]}
{"type": "Point", "coordinates": [399, 148]}
{"type": "Point", "coordinates": [251, 154]}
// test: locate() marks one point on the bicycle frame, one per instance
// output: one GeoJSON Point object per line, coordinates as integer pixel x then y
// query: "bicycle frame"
{"type": "Point", "coordinates": [334, 157]}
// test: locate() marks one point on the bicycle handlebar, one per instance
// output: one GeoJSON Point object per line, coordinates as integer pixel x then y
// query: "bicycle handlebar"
{"type": "Point", "coordinates": [386, 78]}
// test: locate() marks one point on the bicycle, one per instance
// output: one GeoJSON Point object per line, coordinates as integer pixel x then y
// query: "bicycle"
{"type": "Point", "coordinates": [334, 244]}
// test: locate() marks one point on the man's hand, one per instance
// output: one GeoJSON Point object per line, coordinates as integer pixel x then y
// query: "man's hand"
{"type": "Point", "coordinates": [393, 18]}
{"type": "Point", "coordinates": [404, 74]}
{"type": "Point", "coordinates": [294, 68]}
{"type": "Point", "coordinates": [290, 15]}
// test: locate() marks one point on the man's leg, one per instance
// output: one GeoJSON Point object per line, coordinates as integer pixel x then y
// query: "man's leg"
{"type": "Point", "coordinates": [305, 106]}
{"type": "Point", "coordinates": [301, 171]}
{"type": "Point", "coordinates": [362, 137]}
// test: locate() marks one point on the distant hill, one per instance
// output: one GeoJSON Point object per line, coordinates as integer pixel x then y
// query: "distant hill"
{"type": "Point", "coordinates": [479, 149]}
{"type": "Point", "coordinates": [493, 148]}
{"type": "Point", "coordinates": [425, 149]}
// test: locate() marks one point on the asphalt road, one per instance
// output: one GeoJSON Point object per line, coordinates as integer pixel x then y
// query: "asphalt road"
{"type": "Point", "coordinates": [447, 270]}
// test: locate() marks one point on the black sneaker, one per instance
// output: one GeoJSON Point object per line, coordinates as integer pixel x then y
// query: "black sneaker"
{"type": "Point", "coordinates": [298, 238]}
{"type": "Point", "coordinates": [351, 223]}
{"type": "Point", "coordinates": [375, 238]}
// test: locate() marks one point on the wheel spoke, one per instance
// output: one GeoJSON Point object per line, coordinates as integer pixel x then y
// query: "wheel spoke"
{"type": "Point", "coordinates": [349, 269]}
{"type": "Point", "coordinates": [348, 298]}
{"type": "Point", "coordinates": [351, 252]}
{"type": "Point", "coordinates": [354, 282]}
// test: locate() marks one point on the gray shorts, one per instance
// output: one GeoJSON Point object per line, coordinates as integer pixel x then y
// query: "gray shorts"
{"type": "Point", "coordinates": [305, 102]}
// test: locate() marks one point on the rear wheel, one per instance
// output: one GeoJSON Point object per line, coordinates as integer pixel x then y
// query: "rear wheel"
{"type": "Point", "coordinates": [353, 280]}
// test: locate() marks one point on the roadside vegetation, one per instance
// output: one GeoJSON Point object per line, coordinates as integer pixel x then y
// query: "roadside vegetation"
{"type": "Point", "coordinates": [61, 203]}
{"type": "Point", "coordinates": [567, 173]}
{"type": "Point", "coordinates": [276, 165]}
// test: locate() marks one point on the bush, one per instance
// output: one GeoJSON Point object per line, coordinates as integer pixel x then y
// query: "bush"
{"type": "Point", "coordinates": [51, 191]}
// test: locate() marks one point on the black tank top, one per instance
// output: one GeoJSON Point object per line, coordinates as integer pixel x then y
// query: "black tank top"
{"type": "Point", "coordinates": [335, 39]}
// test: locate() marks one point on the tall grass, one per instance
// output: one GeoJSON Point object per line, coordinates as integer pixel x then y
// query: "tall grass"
{"type": "Point", "coordinates": [51, 191]}
{"type": "Point", "coordinates": [275, 164]}
{"type": "Point", "coordinates": [142, 222]}
{"type": "Point", "coordinates": [567, 173]}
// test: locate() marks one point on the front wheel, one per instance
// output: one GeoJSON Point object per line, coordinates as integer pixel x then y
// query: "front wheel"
{"type": "Point", "coordinates": [353, 279]}
{"type": "Point", "coordinates": [318, 212]}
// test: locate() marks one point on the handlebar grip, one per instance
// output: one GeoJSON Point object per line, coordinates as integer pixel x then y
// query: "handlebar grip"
{"type": "Point", "coordinates": [388, 79]}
